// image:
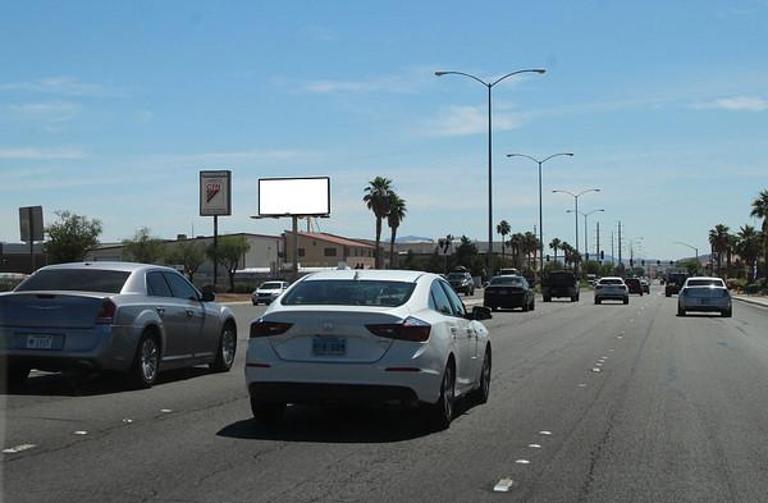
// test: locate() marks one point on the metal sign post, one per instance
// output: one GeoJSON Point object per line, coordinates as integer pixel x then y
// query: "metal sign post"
{"type": "Point", "coordinates": [31, 229]}
{"type": "Point", "coordinates": [215, 201]}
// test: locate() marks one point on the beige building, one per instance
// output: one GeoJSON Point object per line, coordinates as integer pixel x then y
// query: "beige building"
{"type": "Point", "coordinates": [320, 249]}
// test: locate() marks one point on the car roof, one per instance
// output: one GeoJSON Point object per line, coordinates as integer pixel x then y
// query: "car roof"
{"type": "Point", "coordinates": [107, 266]}
{"type": "Point", "coordinates": [369, 274]}
{"type": "Point", "coordinates": [611, 277]}
{"type": "Point", "coordinates": [704, 278]}
{"type": "Point", "coordinates": [509, 276]}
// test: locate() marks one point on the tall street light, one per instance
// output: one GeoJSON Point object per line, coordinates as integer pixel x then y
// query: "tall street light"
{"type": "Point", "coordinates": [489, 85]}
{"type": "Point", "coordinates": [576, 207]}
{"type": "Point", "coordinates": [586, 229]}
{"type": "Point", "coordinates": [541, 222]}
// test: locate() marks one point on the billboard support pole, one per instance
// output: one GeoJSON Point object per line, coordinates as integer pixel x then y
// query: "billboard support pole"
{"type": "Point", "coordinates": [295, 246]}
{"type": "Point", "coordinates": [215, 250]}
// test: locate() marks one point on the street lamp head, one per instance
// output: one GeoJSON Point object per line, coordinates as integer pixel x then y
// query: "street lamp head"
{"type": "Point", "coordinates": [540, 70]}
{"type": "Point", "coordinates": [596, 190]}
{"type": "Point", "coordinates": [439, 74]}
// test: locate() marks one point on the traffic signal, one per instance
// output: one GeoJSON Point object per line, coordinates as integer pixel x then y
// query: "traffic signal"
{"type": "Point", "coordinates": [671, 262]}
{"type": "Point", "coordinates": [658, 262]}
{"type": "Point", "coordinates": [642, 262]}
{"type": "Point", "coordinates": [602, 255]}
{"type": "Point", "coordinates": [547, 258]}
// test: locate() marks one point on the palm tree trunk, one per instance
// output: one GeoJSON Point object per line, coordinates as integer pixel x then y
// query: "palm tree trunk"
{"type": "Point", "coordinates": [376, 254]}
{"type": "Point", "coordinates": [392, 248]}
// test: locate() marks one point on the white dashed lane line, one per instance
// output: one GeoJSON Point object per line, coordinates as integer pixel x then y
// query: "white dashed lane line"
{"type": "Point", "coordinates": [503, 485]}
{"type": "Point", "coordinates": [18, 448]}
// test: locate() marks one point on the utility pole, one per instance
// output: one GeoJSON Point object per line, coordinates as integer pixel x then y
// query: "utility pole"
{"type": "Point", "coordinates": [620, 263]}
{"type": "Point", "coordinates": [613, 256]}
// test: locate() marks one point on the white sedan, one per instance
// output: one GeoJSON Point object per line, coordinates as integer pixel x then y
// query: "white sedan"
{"type": "Point", "coordinates": [365, 336]}
{"type": "Point", "coordinates": [704, 294]}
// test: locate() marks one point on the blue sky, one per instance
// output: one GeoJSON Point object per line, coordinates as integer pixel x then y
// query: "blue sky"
{"type": "Point", "coordinates": [110, 109]}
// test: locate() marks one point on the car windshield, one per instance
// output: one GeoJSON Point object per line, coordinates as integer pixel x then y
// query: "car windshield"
{"type": "Point", "coordinates": [349, 293]}
{"type": "Point", "coordinates": [84, 280]}
{"type": "Point", "coordinates": [498, 281]}
{"type": "Point", "coordinates": [271, 286]}
{"type": "Point", "coordinates": [706, 282]}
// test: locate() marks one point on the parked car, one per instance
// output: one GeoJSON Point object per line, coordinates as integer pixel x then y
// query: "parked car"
{"type": "Point", "coordinates": [705, 294]}
{"type": "Point", "coordinates": [611, 288]}
{"type": "Point", "coordinates": [268, 291]}
{"type": "Point", "coordinates": [462, 282]}
{"type": "Point", "coordinates": [133, 318]}
{"type": "Point", "coordinates": [646, 285]}
{"type": "Point", "coordinates": [368, 336]}
{"type": "Point", "coordinates": [674, 282]}
{"type": "Point", "coordinates": [509, 292]}
{"type": "Point", "coordinates": [634, 286]}
{"type": "Point", "coordinates": [560, 284]}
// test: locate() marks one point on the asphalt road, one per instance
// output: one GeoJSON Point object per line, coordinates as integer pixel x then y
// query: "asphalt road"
{"type": "Point", "coordinates": [677, 412]}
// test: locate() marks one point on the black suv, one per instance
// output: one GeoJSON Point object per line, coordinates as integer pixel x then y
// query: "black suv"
{"type": "Point", "coordinates": [560, 284]}
{"type": "Point", "coordinates": [674, 283]}
{"type": "Point", "coordinates": [462, 282]}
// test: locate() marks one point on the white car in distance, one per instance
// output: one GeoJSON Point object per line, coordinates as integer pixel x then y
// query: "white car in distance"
{"type": "Point", "coordinates": [611, 288]}
{"type": "Point", "coordinates": [367, 336]}
{"type": "Point", "coordinates": [268, 292]}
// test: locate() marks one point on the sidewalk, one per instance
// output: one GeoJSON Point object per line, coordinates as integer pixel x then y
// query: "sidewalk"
{"type": "Point", "coordinates": [758, 300]}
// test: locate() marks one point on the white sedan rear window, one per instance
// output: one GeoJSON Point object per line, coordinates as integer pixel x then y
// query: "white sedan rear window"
{"type": "Point", "coordinates": [349, 293]}
{"type": "Point", "coordinates": [706, 282]}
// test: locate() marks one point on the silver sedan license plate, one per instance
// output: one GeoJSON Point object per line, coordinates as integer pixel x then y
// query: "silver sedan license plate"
{"type": "Point", "coordinates": [324, 345]}
{"type": "Point", "coordinates": [39, 341]}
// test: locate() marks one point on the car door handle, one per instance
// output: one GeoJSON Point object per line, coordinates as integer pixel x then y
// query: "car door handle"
{"type": "Point", "coordinates": [190, 313]}
{"type": "Point", "coordinates": [160, 310]}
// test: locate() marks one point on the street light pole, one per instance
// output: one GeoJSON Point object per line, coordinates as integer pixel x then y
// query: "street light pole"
{"type": "Point", "coordinates": [541, 217]}
{"type": "Point", "coordinates": [489, 85]}
{"type": "Point", "coordinates": [576, 207]}
{"type": "Point", "coordinates": [696, 250]}
{"type": "Point", "coordinates": [586, 228]}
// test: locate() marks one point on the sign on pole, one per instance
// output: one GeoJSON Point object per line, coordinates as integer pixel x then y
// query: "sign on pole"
{"type": "Point", "coordinates": [215, 193]}
{"type": "Point", "coordinates": [31, 223]}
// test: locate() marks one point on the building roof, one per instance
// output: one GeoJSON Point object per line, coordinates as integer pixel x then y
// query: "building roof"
{"type": "Point", "coordinates": [110, 246]}
{"type": "Point", "coordinates": [332, 238]}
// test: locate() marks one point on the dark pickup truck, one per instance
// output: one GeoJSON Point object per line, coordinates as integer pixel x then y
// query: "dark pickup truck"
{"type": "Point", "coordinates": [560, 284]}
{"type": "Point", "coordinates": [674, 283]}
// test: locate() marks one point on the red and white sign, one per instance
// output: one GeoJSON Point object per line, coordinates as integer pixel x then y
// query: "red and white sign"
{"type": "Point", "coordinates": [215, 193]}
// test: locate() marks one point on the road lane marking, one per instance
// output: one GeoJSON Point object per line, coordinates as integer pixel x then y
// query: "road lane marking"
{"type": "Point", "coordinates": [503, 485]}
{"type": "Point", "coordinates": [80, 432]}
{"type": "Point", "coordinates": [545, 433]}
{"type": "Point", "coordinates": [166, 411]}
{"type": "Point", "coordinates": [596, 370]}
{"type": "Point", "coordinates": [582, 385]}
{"type": "Point", "coordinates": [18, 448]}
{"type": "Point", "coordinates": [522, 462]}
{"type": "Point", "coordinates": [534, 446]}
{"type": "Point", "coordinates": [127, 420]}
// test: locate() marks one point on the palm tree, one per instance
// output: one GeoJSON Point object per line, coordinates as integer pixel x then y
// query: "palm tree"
{"type": "Point", "coordinates": [516, 244]}
{"type": "Point", "coordinates": [718, 239]}
{"type": "Point", "coordinates": [748, 248]}
{"type": "Point", "coordinates": [531, 246]}
{"type": "Point", "coordinates": [377, 199]}
{"type": "Point", "coordinates": [503, 228]}
{"type": "Point", "coordinates": [760, 210]}
{"type": "Point", "coordinates": [444, 244]}
{"type": "Point", "coordinates": [555, 245]}
{"type": "Point", "coordinates": [395, 217]}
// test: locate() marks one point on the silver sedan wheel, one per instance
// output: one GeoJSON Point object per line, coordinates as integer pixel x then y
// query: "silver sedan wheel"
{"type": "Point", "coordinates": [228, 344]}
{"type": "Point", "coordinates": [150, 357]}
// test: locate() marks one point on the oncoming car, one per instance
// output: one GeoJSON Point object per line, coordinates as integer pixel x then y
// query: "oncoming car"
{"type": "Point", "coordinates": [268, 291]}
{"type": "Point", "coordinates": [132, 318]}
{"type": "Point", "coordinates": [704, 294]}
{"type": "Point", "coordinates": [368, 336]}
{"type": "Point", "coordinates": [611, 288]}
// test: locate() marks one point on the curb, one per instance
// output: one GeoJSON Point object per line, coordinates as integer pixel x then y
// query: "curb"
{"type": "Point", "coordinates": [754, 302]}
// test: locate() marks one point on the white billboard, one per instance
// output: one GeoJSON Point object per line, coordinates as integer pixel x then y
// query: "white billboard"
{"type": "Point", "coordinates": [215, 193]}
{"type": "Point", "coordinates": [295, 196]}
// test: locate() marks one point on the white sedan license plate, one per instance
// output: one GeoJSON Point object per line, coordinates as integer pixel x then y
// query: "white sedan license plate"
{"type": "Point", "coordinates": [323, 345]}
{"type": "Point", "coordinates": [39, 341]}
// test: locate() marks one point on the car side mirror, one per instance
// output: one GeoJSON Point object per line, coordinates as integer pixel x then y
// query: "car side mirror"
{"type": "Point", "coordinates": [480, 313]}
{"type": "Point", "coordinates": [208, 294]}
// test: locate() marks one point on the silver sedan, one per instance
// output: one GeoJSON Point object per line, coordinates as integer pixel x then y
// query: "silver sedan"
{"type": "Point", "coordinates": [132, 318]}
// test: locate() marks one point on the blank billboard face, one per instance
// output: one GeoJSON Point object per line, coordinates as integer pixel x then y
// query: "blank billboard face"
{"type": "Point", "coordinates": [295, 196]}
